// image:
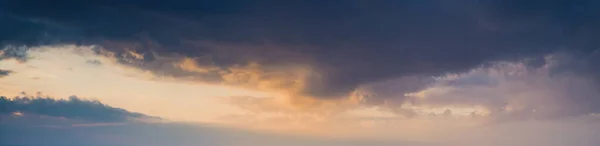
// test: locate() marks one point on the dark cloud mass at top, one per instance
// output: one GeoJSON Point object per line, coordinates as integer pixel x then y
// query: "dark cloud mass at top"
{"type": "Point", "coordinates": [347, 42]}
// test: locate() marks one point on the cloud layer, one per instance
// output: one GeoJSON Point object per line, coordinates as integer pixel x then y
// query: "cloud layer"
{"type": "Point", "coordinates": [476, 60]}
{"type": "Point", "coordinates": [438, 72]}
{"type": "Point", "coordinates": [73, 108]}
{"type": "Point", "coordinates": [28, 129]}
{"type": "Point", "coordinates": [324, 53]}
{"type": "Point", "coordinates": [564, 86]}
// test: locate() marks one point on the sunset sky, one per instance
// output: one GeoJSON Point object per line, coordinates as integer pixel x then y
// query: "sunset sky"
{"type": "Point", "coordinates": [286, 73]}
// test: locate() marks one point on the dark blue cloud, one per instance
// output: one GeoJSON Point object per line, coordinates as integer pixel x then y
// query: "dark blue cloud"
{"type": "Point", "coordinates": [73, 108]}
{"type": "Point", "coordinates": [349, 42]}
{"type": "Point", "coordinates": [4, 72]}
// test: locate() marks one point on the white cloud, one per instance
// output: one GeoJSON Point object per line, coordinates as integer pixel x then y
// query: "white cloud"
{"type": "Point", "coordinates": [514, 90]}
{"type": "Point", "coordinates": [63, 70]}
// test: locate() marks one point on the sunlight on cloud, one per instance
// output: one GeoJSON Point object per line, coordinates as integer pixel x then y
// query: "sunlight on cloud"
{"type": "Point", "coordinates": [191, 65]}
{"type": "Point", "coordinates": [67, 70]}
{"type": "Point", "coordinates": [513, 90]}
{"type": "Point", "coordinates": [253, 97]}
{"type": "Point", "coordinates": [288, 83]}
{"type": "Point", "coordinates": [64, 70]}
{"type": "Point", "coordinates": [17, 113]}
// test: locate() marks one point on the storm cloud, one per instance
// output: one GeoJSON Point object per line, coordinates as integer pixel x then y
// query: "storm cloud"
{"type": "Point", "coordinates": [320, 49]}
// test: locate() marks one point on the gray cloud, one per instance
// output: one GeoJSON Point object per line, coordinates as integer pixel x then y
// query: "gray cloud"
{"type": "Point", "coordinates": [4, 72]}
{"type": "Point", "coordinates": [73, 108]}
{"type": "Point", "coordinates": [14, 52]}
{"type": "Point", "coordinates": [565, 86]}
{"type": "Point", "coordinates": [348, 43]}
{"type": "Point", "coordinates": [94, 62]}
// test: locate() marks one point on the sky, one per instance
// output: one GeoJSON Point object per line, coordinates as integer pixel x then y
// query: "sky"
{"type": "Point", "coordinates": [280, 73]}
